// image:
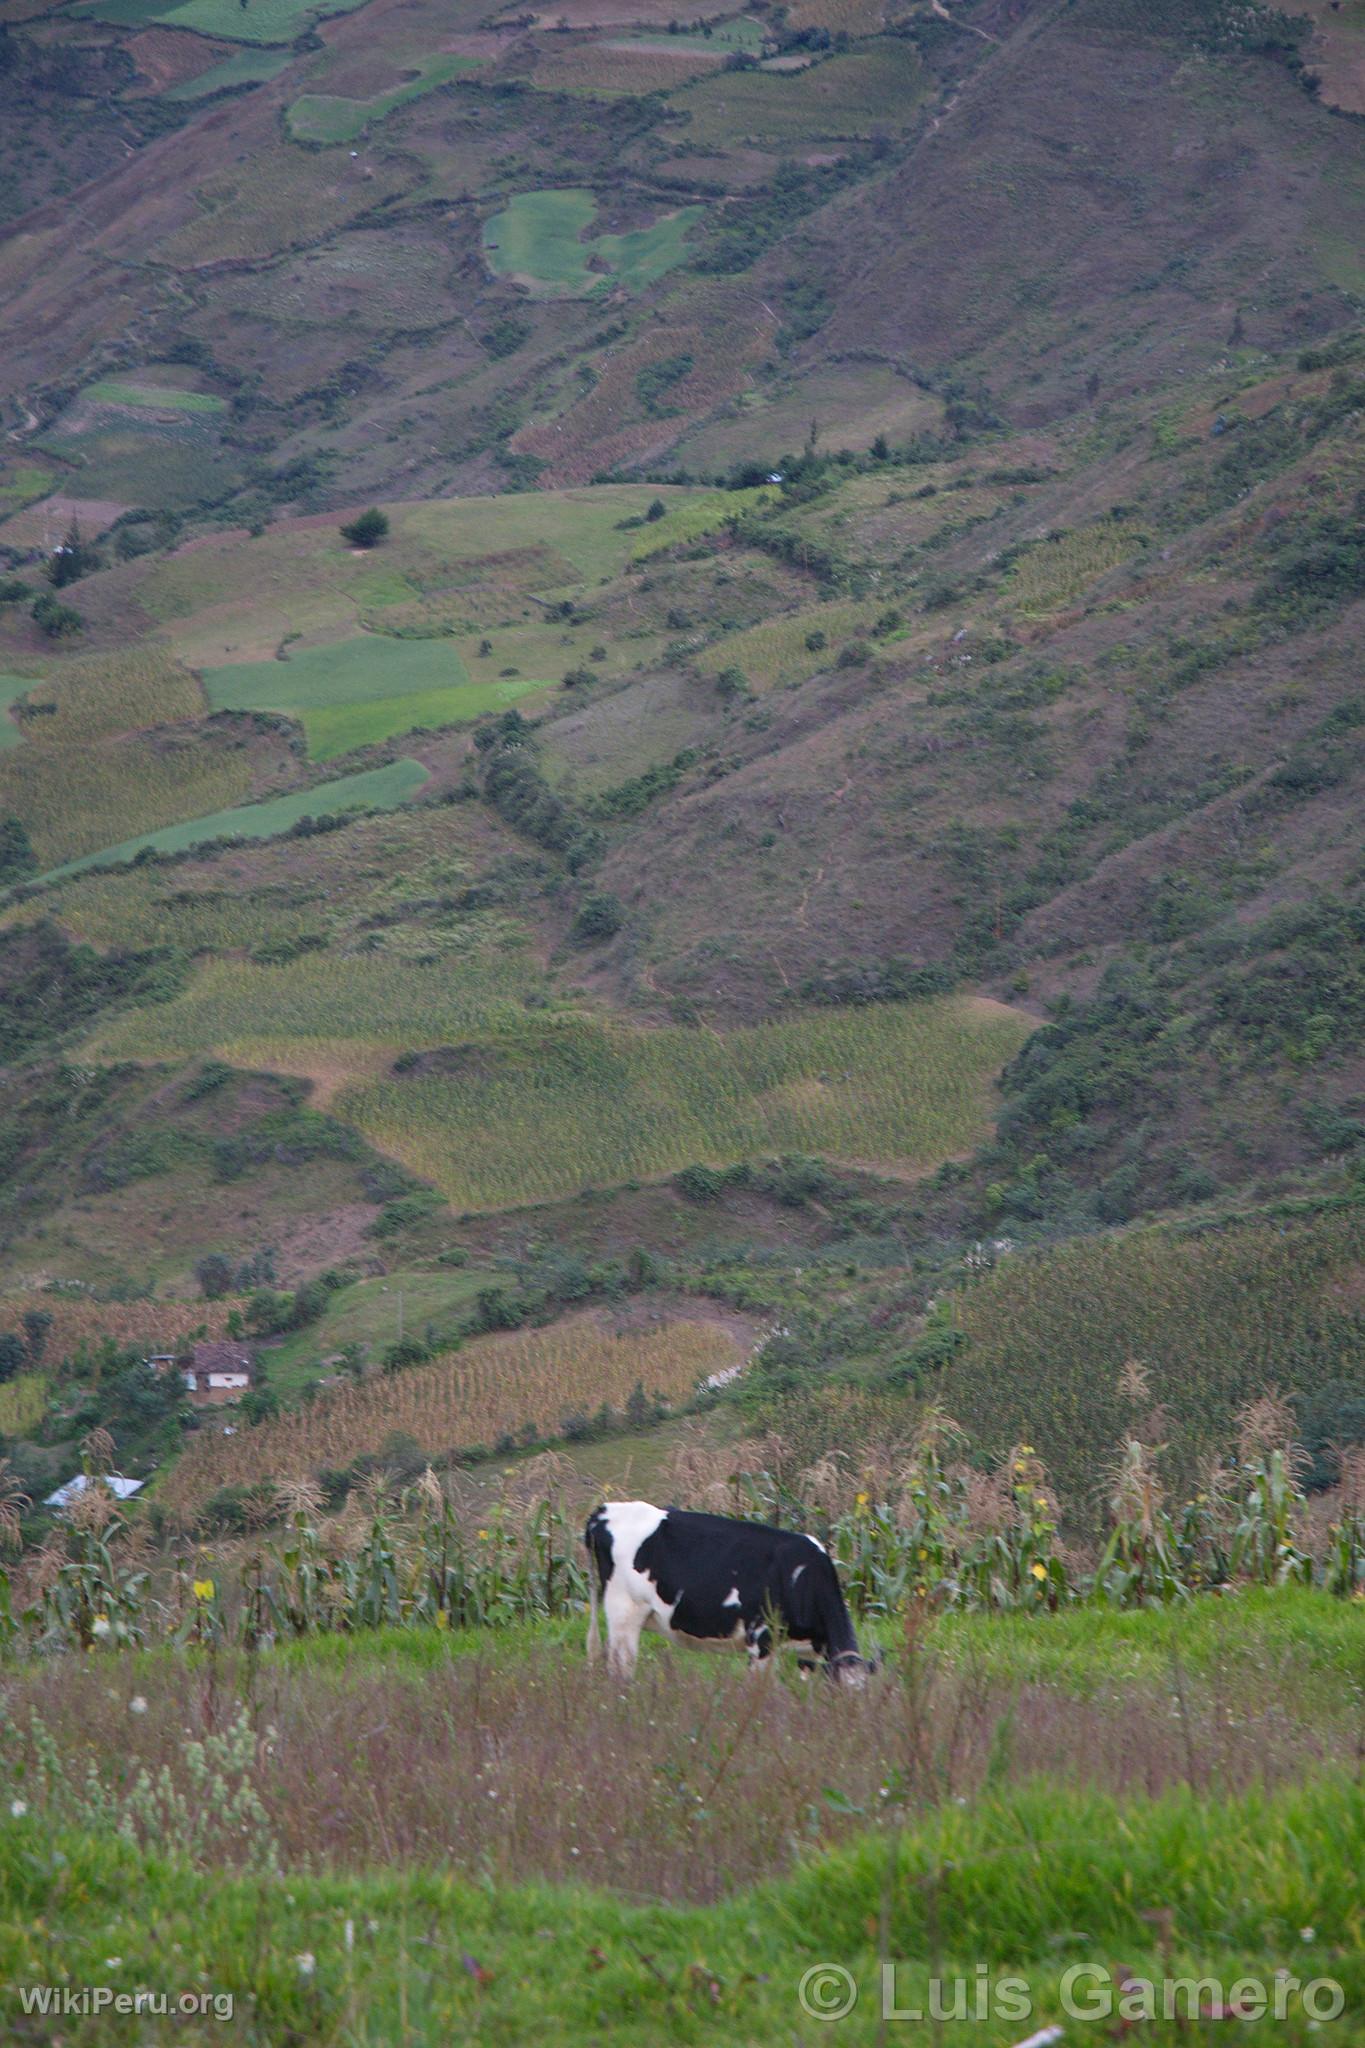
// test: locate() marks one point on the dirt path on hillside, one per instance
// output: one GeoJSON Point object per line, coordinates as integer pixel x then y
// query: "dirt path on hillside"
{"type": "Point", "coordinates": [941, 11]}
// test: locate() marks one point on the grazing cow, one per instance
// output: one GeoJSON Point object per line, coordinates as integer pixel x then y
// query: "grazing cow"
{"type": "Point", "coordinates": [709, 1581]}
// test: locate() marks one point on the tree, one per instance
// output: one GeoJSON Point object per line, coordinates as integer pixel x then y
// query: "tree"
{"type": "Point", "coordinates": [37, 1323]}
{"type": "Point", "coordinates": [656, 510]}
{"type": "Point", "coordinates": [368, 529]}
{"type": "Point", "coordinates": [13, 1355]}
{"type": "Point", "coordinates": [17, 857]}
{"type": "Point", "coordinates": [72, 559]}
{"type": "Point", "coordinates": [214, 1274]}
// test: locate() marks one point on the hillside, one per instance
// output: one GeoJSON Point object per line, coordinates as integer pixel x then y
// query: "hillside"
{"type": "Point", "coordinates": [681, 751]}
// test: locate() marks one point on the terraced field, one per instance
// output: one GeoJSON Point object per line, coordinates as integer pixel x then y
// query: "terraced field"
{"type": "Point", "coordinates": [505, 1385]}
{"type": "Point", "coordinates": [377, 788]}
{"type": "Point", "coordinates": [350, 1010]}
{"type": "Point", "coordinates": [587, 1105]}
{"type": "Point", "coordinates": [845, 96]}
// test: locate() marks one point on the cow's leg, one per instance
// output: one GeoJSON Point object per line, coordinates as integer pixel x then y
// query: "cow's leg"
{"type": "Point", "coordinates": [758, 1638]}
{"type": "Point", "coordinates": [626, 1617]}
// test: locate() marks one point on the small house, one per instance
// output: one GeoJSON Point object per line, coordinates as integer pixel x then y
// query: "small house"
{"type": "Point", "coordinates": [217, 1372]}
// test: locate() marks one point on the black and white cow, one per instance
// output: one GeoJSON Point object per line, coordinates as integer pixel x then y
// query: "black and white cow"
{"type": "Point", "coordinates": [709, 1581]}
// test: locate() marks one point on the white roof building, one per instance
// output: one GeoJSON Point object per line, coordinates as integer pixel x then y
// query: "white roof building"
{"type": "Point", "coordinates": [121, 1488]}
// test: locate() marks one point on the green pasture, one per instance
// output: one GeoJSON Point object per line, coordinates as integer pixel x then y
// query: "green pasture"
{"type": "Point", "coordinates": [539, 237]}
{"type": "Point", "coordinates": [374, 1314]}
{"type": "Point", "coordinates": [355, 692]}
{"type": "Point", "coordinates": [376, 788]}
{"type": "Point", "coordinates": [325, 118]}
{"type": "Point", "coordinates": [505, 560]}
{"type": "Point", "coordinates": [22, 484]}
{"type": "Point", "coordinates": [244, 67]}
{"type": "Point", "coordinates": [114, 391]}
{"type": "Point", "coordinates": [244, 21]}
{"type": "Point", "coordinates": [11, 688]}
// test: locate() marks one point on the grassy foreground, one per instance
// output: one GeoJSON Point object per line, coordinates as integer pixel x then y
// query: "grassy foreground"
{"type": "Point", "coordinates": [1116, 1858]}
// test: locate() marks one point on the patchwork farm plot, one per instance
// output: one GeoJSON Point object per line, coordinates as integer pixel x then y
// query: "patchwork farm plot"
{"type": "Point", "coordinates": [263, 21]}
{"type": "Point", "coordinates": [539, 240]}
{"type": "Point", "coordinates": [244, 67]}
{"type": "Point", "coordinates": [851, 404]}
{"type": "Point", "coordinates": [352, 693]}
{"type": "Point", "coordinates": [854, 95]}
{"type": "Point", "coordinates": [376, 788]}
{"type": "Point", "coordinates": [790, 647]}
{"type": "Point", "coordinates": [79, 801]}
{"type": "Point", "coordinates": [330, 119]}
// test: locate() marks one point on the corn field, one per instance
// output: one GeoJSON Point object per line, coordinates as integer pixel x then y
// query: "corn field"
{"type": "Point", "coordinates": [156, 1326]}
{"type": "Point", "coordinates": [545, 1112]}
{"type": "Point", "coordinates": [928, 1532]}
{"type": "Point", "coordinates": [525, 1383]}
{"type": "Point", "coordinates": [1202, 1318]}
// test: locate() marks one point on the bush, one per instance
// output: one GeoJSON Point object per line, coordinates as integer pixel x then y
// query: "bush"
{"type": "Point", "coordinates": [600, 917]}
{"type": "Point", "coordinates": [368, 529]}
{"type": "Point", "coordinates": [59, 621]}
{"type": "Point", "coordinates": [17, 857]}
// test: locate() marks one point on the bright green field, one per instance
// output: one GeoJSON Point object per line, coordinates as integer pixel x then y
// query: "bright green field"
{"type": "Point", "coordinates": [323, 117]}
{"type": "Point", "coordinates": [112, 391]}
{"type": "Point", "coordinates": [354, 692]}
{"type": "Point", "coordinates": [260, 21]}
{"type": "Point", "coordinates": [11, 687]}
{"type": "Point", "coordinates": [379, 788]}
{"type": "Point", "coordinates": [539, 237]}
{"type": "Point", "coordinates": [583, 1104]}
{"type": "Point", "coordinates": [245, 67]}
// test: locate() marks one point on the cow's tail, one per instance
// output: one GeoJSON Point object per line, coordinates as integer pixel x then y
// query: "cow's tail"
{"type": "Point", "coordinates": [594, 1579]}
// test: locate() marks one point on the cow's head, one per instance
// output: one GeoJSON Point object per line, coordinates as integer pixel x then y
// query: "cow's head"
{"type": "Point", "coordinates": [849, 1667]}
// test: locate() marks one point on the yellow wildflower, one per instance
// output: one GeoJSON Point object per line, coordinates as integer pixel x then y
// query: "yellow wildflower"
{"type": "Point", "coordinates": [203, 1589]}
{"type": "Point", "coordinates": [1039, 1570]}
